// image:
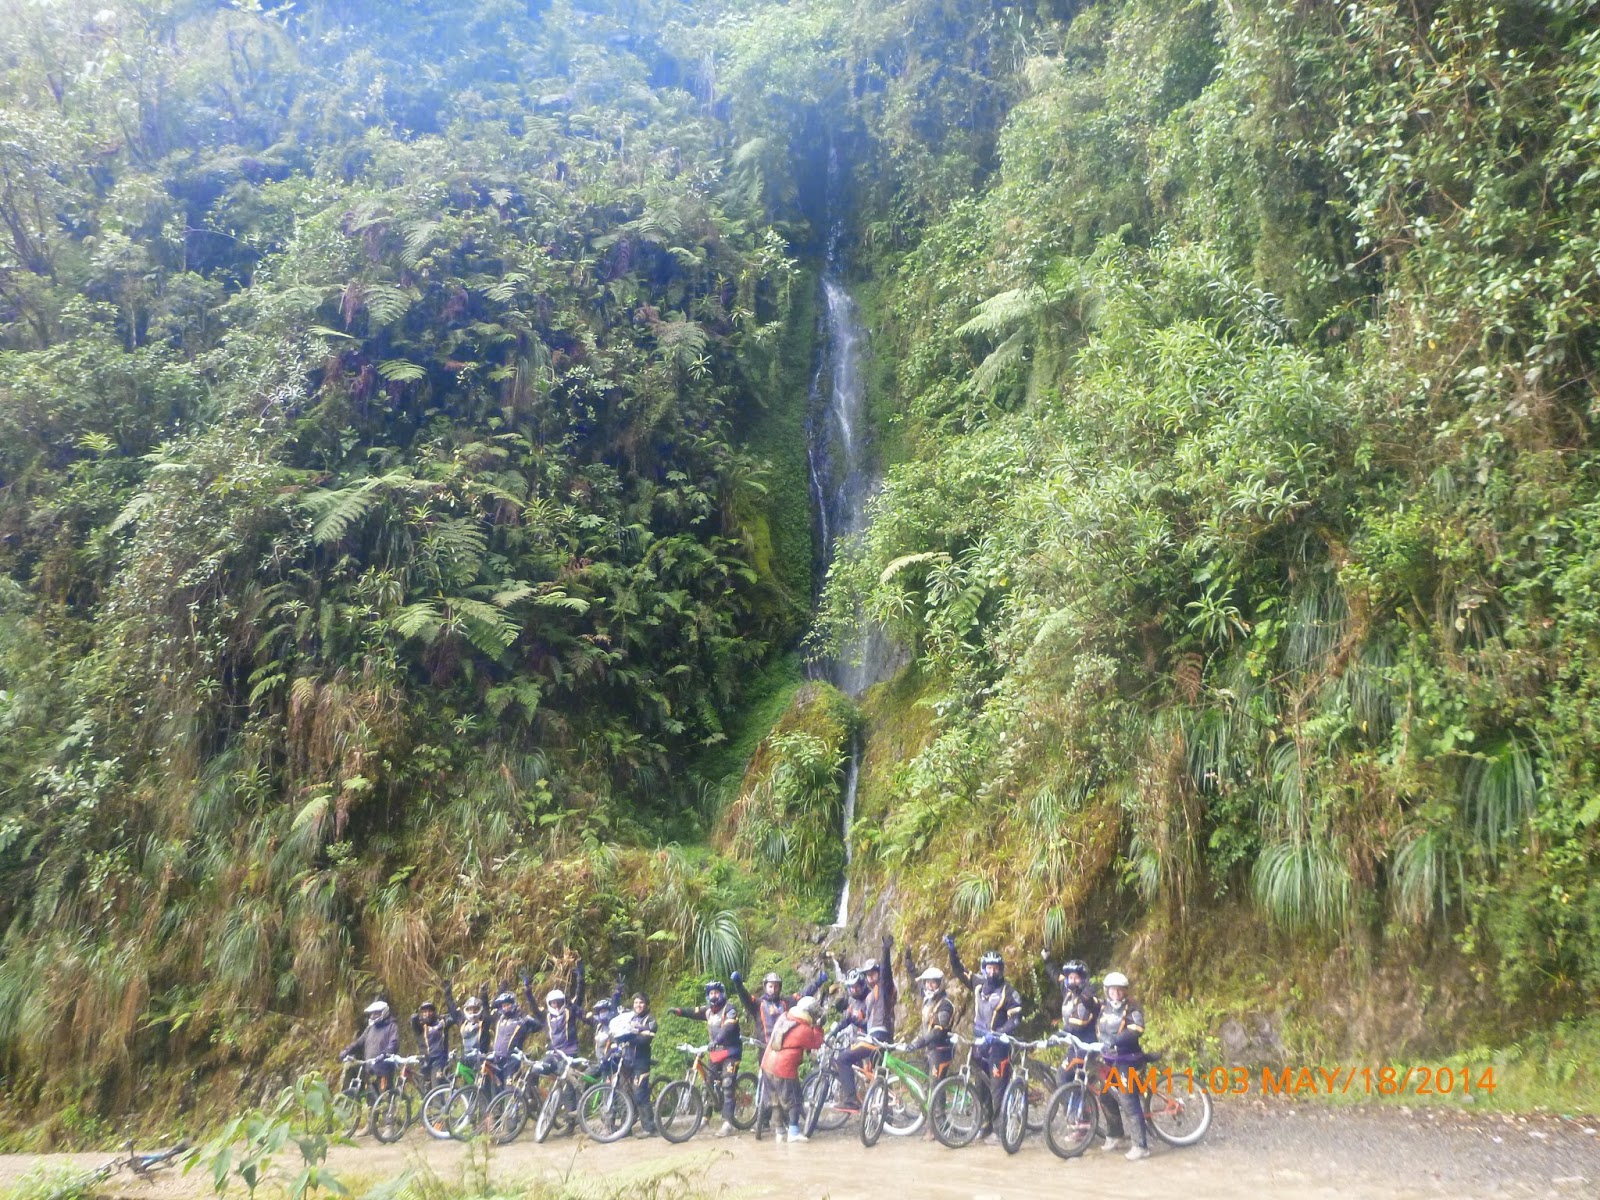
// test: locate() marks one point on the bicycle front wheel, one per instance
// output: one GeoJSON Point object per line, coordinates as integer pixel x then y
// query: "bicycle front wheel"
{"type": "Point", "coordinates": [1070, 1119]}
{"type": "Point", "coordinates": [680, 1111]}
{"type": "Point", "coordinates": [606, 1111]}
{"type": "Point", "coordinates": [746, 1095]}
{"type": "Point", "coordinates": [872, 1110]}
{"type": "Point", "coordinates": [1179, 1119]}
{"type": "Point", "coordinates": [956, 1108]}
{"type": "Point", "coordinates": [549, 1112]}
{"type": "Point", "coordinates": [821, 1098]}
{"type": "Point", "coordinates": [1013, 1123]}
{"type": "Point", "coordinates": [390, 1116]}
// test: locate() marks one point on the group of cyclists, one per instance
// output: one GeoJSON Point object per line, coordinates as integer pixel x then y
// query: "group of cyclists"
{"type": "Point", "coordinates": [787, 1026]}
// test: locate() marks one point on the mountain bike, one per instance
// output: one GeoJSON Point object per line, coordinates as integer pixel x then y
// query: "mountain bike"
{"type": "Point", "coordinates": [395, 1107]}
{"type": "Point", "coordinates": [1179, 1116]}
{"type": "Point", "coordinates": [461, 1076]}
{"type": "Point", "coordinates": [570, 1082]}
{"type": "Point", "coordinates": [958, 1106]}
{"type": "Point", "coordinates": [606, 1110]}
{"type": "Point", "coordinates": [144, 1165]}
{"type": "Point", "coordinates": [352, 1101]}
{"type": "Point", "coordinates": [521, 1095]}
{"type": "Point", "coordinates": [896, 1097]}
{"type": "Point", "coordinates": [819, 1090]}
{"type": "Point", "coordinates": [681, 1106]}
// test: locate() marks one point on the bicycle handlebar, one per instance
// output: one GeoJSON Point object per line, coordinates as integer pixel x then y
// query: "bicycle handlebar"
{"type": "Point", "coordinates": [695, 1050]}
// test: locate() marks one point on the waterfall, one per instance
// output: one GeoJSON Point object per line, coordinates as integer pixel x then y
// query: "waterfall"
{"type": "Point", "coordinates": [842, 484]}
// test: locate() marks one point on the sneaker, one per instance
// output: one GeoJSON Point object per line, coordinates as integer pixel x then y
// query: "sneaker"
{"type": "Point", "coordinates": [1111, 1144]}
{"type": "Point", "coordinates": [988, 1139]}
{"type": "Point", "coordinates": [798, 1137]}
{"type": "Point", "coordinates": [1137, 1153]}
{"type": "Point", "coordinates": [727, 1130]}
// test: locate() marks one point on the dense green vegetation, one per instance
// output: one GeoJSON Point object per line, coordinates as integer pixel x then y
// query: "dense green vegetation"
{"type": "Point", "coordinates": [403, 536]}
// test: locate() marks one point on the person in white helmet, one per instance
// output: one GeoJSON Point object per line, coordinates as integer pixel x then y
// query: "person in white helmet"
{"type": "Point", "coordinates": [938, 1022]}
{"type": "Point", "coordinates": [379, 1040]}
{"type": "Point", "coordinates": [795, 1032]}
{"type": "Point", "coordinates": [1120, 1027]}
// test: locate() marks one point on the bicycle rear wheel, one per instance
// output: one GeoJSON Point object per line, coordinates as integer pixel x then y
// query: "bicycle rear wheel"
{"type": "Point", "coordinates": [504, 1118]}
{"type": "Point", "coordinates": [1012, 1125]}
{"type": "Point", "coordinates": [821, 1096]}
{"type": "Point", "coordinates": [680, 1111]}
{"type": "Point", "coordinates": [1041, 1084]}
{"type": "Point", "coordinates": [1179, 1119]}
{"type": "Point", "coordinates": [872, 1111]}
{"type": "Point", "coordinates": [436, 1111]}
{"type": "Point", "coordinates": [606, 1111]}
{"type": "Point", "coordinates": [905, 1109]}
{"type": "Point", "coordinates": [746, 1094]}
{"type": "Point", "coordinates": [956, 1108]}
{"type": "Point", "coordinates": [1070, 1119]}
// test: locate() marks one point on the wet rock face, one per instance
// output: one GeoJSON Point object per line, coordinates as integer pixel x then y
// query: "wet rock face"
{"type": "Point", "coordinates": [1252, 1040]}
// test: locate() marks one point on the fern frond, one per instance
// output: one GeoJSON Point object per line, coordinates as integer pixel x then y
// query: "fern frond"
{"type": "Point", "coordinates": [999, 314]}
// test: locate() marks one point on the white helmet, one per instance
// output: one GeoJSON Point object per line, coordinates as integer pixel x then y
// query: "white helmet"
{"type": "Point", "coordinates": [555, 995]}
{"type": "Point", "coordinates": [377, 1010]}
{"type": "Point", "coordinates": [932, 974]}
{"type": "Point", "coordinates": [806, 1007]}
{"type": "Point", "coordinates": [1116, 979]}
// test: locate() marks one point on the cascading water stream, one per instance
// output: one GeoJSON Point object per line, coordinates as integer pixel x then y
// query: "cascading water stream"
{"type": "Point", "coordinates": [841, 485]}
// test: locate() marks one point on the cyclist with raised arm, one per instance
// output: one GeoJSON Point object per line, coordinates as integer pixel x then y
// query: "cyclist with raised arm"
{"type": "Point", "coordinates": [1080, 1010]}
{"type": "Point", "coordinates": [938, 1023]}
{"type": "Point", "coordinates": [511, 1028]}
{"type": "Point", "coordinates": [600, 1017]}
{"type": "Point", "coordinates": [722, 1034]}
{"type": "Point", "coordinates": [634, 1033]}
{"type": "Point", "coordinates": [996, 1012]}
{"type": "Point", "coordinates": [561, 1019]}
{"type": "Point", "coordinates": [379, 1040]}
{"type": "Point", "coordinates": [471, 1020]}
{"type": "Point", "coordinates": [859, 1013]}
{"type": "Point", "coordinates": [1120, 1026]}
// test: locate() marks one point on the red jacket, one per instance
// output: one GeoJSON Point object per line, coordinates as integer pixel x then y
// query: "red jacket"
{"type": "Point", "coordinates": [791, 1038]}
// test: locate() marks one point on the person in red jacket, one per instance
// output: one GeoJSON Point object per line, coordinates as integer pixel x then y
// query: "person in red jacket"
{"type": "Point", "coordinates": [793, 1034]}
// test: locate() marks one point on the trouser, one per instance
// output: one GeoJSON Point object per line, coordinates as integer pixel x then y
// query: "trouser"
{"type": "Point", "coordinates": [995, 1072]}
{"type": "Point", "coordinates": [845, 1064]}
{"type": "Point", "coordinates": [939, 1062]}
{"type": "Point", "coordinates": [1121, 1104]}
{"type": "Point", "coordinates": [436, 1072]}
{"type": "Point", "coordinates": [639, 1088]}
{"type": "Point", "coordinates": [722, 1076]}
{"type": "Point", "coordinates": [782, 1094]}
{"type": "Point", "coordinates": [1069, 1071]}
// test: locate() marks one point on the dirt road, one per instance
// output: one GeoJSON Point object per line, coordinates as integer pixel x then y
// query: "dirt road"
{"type": "Point", "coordinates": [1253, 1149]}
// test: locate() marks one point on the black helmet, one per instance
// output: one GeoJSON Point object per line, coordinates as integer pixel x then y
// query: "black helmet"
{"type": "Point", "coordinates": [992, 956]}
{"type": "Point", "coordinates": [504, 998]}
{"type": "Point", "coordinates": [716, 986]}
{"type": "Point", "coordinates": [1075, 966]}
